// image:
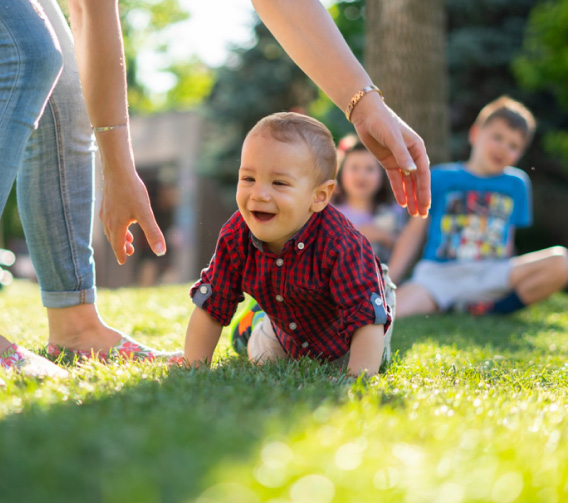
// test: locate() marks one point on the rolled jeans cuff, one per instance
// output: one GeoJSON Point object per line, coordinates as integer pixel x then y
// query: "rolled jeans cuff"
{"type": "Point", "coordinates": [68, 299]}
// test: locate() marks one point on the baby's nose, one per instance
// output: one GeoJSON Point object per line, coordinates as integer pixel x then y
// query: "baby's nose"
{"type": "Point", "coordinates": [261, 193]}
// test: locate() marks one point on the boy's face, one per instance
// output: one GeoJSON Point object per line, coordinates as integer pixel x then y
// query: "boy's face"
{"type": "Point", "coordinates": [277, 191]}
{"type": "Point", "coordinates": [495, 146]}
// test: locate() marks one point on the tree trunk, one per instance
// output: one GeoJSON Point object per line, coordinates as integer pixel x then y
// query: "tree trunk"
{"type": "Point", "coordinates": [405, 55]}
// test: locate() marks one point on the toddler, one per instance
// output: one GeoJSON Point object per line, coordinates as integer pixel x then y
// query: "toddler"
{"type": "Point", "coordinates": [312, 273]}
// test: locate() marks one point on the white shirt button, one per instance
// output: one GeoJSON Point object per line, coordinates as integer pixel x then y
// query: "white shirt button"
{"type": "Point", "coordinates": [378, 302]}
{"type": "Point", "coordinates": [293, 326]}
{"type": "Point", "coordinates": [279, 298]}
{"type": "Point", "coordinates": [279, 262]}
{"type": "Point", "coordinates": [305, 345]}
{"type": "Point", "coordinates": [300, 246]}
{"type": "Point", "coordinates": [203, 289]}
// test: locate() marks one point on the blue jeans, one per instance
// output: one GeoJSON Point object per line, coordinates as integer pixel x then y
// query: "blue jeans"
{"type": "Point", "coordinates": [45, 141]}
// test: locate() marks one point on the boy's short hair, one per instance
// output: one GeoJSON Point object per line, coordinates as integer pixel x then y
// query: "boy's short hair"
{"type": "Point", "coordinates": [514, 113]}
{"type": "Point", "coordinates": [289, 127]}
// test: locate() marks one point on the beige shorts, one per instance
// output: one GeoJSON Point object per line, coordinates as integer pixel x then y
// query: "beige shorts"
{"type": "Point", "coordinates": [454, 283]}
{"type": "Point", "coordinates": [263, 344]}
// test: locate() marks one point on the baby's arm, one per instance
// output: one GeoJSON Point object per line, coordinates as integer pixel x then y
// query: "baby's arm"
{"type": "Point", "coordinates": [201, 338]}
{"type": "Point", "coordinates": [366, 351]}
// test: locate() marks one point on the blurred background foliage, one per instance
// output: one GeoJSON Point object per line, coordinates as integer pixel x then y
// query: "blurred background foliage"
{"type": "Point", "coordinates": [543, 66]}
{"type": "Point", "coordinates": [494, 47]}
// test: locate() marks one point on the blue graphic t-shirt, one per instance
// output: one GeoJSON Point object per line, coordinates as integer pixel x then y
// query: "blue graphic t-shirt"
{"type": "Point", "coordinates": [472, 217]}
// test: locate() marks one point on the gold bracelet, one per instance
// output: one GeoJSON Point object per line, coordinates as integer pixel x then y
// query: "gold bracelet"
{"type": "Point", "coordinates": [357, 97]}
{"type": "Point", "coordinates": [102, 129]}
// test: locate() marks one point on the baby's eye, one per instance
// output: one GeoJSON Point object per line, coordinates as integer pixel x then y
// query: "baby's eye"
{"type": "Point", "coordinates": [247, 178]}
{"type": "Point", "coordinates": [280, 183]}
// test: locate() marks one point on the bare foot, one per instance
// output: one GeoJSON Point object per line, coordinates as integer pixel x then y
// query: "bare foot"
{"type": "Point", "coordinates": [81, 328]}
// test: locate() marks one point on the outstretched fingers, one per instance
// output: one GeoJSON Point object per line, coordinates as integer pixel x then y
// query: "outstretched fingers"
{"type": "Point", "coordinates": [421, 179]}
{"type": "Point", "coordinates": [153, 233]}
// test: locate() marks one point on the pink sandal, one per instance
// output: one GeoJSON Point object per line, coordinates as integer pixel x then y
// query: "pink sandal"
{"type": "Point", "coordinates": [28, 363]}
{"type": "Point", "coordinates": [127, 349]}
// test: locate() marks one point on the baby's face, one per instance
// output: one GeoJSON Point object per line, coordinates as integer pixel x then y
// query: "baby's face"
{"type": "Point", "coordinates": [276, 188]}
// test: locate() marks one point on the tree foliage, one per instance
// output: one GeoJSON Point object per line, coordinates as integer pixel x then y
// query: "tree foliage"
{"type": "Point", "coordinates": [483, 38]}
{"type": "Point", "coordinates": [543, 64]}
{"type": "Point", "coordinates": [145, 26]}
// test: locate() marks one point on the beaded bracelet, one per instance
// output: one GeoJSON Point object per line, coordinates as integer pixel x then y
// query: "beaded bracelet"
{"type": "Point", "coordinates": [102, 129]}
{"type": "Point", "coordinates": [357, 97]}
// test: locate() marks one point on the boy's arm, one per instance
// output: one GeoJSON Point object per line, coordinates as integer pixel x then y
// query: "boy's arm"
{"type": "Point", "coordinates": [306, 31]}
{"type": "Point", "coordinates": [407, 246]}
{"type": "Point", "coordinates": [201, 338]}
{"type": "Point", "coordinates": [366, 351]}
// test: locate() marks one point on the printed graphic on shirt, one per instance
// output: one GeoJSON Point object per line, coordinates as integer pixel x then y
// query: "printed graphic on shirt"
{"type": "Point", "coordinates": [475, 226]}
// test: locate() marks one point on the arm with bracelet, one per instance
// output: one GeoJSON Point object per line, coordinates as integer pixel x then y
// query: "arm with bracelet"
{"type": "Point", "coordinates": [310, 37]}
{"type": "Point", "coordinates": [100, 57]}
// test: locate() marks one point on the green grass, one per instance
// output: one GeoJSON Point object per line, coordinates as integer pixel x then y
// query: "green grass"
{"type": "Point", "coordinates": [472, 410]}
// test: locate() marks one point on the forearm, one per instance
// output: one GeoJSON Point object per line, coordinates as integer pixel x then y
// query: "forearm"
{"type": "Point", "coordinates": [366, 351]}
{"type": "Point", "coordinates": [201, 339]}
{"type": "Point", "coordinates": [406, 247]}
{"type": "Point", "coordinates": [308, 34]}
{"type": "Point", "coordinates": [100, 58]}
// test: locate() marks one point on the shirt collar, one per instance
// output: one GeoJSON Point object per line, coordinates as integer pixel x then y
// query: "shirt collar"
{"type": "Point", "coordinates": [300, 241]}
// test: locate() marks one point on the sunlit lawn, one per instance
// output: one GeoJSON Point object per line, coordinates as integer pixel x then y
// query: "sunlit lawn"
{"type": "Point", "coordinates": [472, 410]}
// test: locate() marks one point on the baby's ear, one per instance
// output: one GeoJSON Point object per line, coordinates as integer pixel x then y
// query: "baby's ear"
{"type": "Point", "coordinates": [322, 195]}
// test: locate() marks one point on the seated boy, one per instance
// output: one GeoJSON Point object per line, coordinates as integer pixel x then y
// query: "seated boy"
{"type": "Point", "coordinates": [468, 261]}
{"type": "Point", "coordinates": [310, 271]}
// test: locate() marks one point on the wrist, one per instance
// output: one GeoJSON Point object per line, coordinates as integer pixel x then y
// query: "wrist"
{"type": "Point", "coordinates": [370, 104]}
{"type": "Point", "coordinates": [358, 97]}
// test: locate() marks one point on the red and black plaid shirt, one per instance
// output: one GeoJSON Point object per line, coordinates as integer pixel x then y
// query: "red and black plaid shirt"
{"type": "Point", "coordinates": [324, 285]}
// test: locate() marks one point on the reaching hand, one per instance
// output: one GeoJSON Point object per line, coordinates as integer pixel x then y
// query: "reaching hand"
{"type": "Point", "coordinates": [125, 202]}
{"type": "Point", "coordinates": [399, 150]}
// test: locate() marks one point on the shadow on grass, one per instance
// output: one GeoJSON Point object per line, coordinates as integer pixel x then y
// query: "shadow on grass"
{"type": "Point", "coordinates": [516, 333]}
{"type": "Point", "coordinates": [157, 441]}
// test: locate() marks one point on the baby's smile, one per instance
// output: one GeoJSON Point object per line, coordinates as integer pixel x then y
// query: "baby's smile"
{"type": "Point", "coordinates": [262, 216]}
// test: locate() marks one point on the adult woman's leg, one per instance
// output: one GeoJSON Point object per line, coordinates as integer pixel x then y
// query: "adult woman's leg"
{"type": "Point", "coordinates": [30, 63]}
{"type": "Point", "coordinates": [56, 201]}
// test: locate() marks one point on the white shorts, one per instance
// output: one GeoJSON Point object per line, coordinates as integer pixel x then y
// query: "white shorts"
{"type": "Point", "coordinates": [451, 283]}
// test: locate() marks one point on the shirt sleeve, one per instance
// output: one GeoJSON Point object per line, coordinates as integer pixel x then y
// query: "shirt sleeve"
{"type": "Point", "coordinates": [219, 291]}
{"type": "Point", "coordinates": [522, 211]}
{"type": "Point", "coordinates": [357, 287]}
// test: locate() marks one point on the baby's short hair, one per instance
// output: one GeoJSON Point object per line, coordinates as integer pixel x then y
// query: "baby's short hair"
{"type": "Point", "coordinates": [289, 127]}
{"type": "Point", "coordinates": [514, 113]}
